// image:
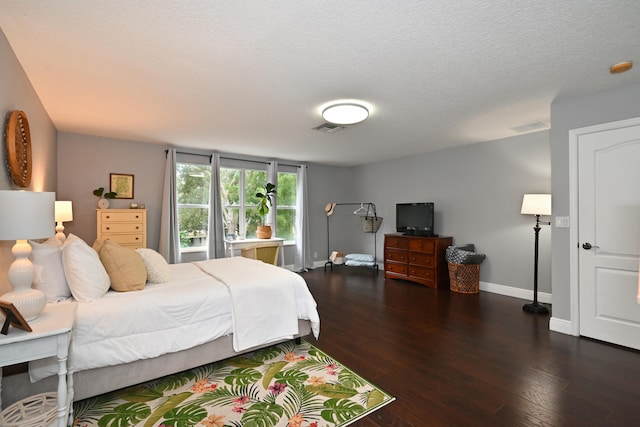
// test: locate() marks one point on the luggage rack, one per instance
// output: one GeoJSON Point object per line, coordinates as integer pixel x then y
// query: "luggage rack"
{"type": "Point", "coordinates": [371, 223]}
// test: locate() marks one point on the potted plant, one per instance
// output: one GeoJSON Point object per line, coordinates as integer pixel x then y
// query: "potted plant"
{"type": "Point", "coordinates": [265, 200]}
{"type": "Point", "coordinates": [103, 202]}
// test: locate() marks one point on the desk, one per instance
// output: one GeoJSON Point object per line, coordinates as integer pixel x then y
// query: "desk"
{"type": "Point", "coordinates": [51, 336]}
{"type": "Point", "coordinates": [230, 246]}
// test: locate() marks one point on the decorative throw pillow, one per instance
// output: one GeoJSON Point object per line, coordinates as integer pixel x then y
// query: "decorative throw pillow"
{"type": "Point", "coordinates": [124, 266]}
{"type": "Point", "coordinates": [158, 270]}
{"type": "Point", "coordinates": [86, 276]}
{"type": "Point", "coordinates": [50, 279]}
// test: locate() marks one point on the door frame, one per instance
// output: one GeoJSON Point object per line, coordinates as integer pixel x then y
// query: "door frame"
{"type": "Point", "coordinates": [574, 242]}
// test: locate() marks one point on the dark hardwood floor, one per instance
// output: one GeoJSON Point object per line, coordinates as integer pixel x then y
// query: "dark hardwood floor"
{"type": "Point", "coordinates": [469, 360]}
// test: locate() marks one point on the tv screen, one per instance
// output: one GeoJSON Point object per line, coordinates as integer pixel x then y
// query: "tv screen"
{"type": "Point", "coordinates": [415, 218]}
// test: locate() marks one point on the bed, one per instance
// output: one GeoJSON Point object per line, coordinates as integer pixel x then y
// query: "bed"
{"type": "Point", "coordinates": [206, 311]}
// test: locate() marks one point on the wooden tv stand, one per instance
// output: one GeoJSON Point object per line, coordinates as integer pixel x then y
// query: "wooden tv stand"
{"type": "Point", "coordinates": [417, 258]}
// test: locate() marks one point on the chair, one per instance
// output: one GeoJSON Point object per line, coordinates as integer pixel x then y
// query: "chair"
{"type": "Point", "coordinates": [268, 254]}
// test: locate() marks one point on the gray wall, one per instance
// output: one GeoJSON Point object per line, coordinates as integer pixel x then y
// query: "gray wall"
{"type": "Point", "coordinates": [477, 191]}
{"type": "Point", "coordinates": [598, 108]}
{"type": "Point", "coordinates": [16, 93]}
{"type": "Point", "coordinates": [84, 164]}
{"type": "Point", "coordinates": [93, 158]}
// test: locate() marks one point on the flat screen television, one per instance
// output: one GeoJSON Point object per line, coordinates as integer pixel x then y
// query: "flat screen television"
{"type": "Point", "coordinates": [415, 218]}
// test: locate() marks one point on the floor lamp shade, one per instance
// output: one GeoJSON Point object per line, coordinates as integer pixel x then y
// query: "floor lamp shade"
{"type": "Point", "coordinates": [25, 215]}
{"type": "Point", "coordinates": [536, 204]}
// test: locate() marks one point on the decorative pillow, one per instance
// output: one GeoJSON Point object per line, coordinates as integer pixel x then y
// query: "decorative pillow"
{"type": "Point", "coordinates": [50, 279]}
{"type": "Point", "coordinates": [360, 257]}
{"type": "Point", "coordinates": [86, 276]}
{"type": "Point", "coordinates": [124, 266]}
{"type": "Point", "coordinates": [158, 270]}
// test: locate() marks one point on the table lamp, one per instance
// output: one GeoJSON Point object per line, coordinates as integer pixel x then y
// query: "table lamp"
{"type": "Point", "coordinates": [64, 213]}
{"type": "Point", "coordinates": [25, 215]}
{"type": "Point", "coordinates": [536, 204]}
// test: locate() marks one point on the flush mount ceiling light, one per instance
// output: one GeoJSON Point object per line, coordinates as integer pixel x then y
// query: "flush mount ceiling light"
{"type": "Point", "coordinates": [345, 113]}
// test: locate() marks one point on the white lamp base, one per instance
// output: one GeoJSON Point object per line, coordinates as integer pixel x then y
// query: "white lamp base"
{"type": "Point", "coordinates": [29, 302]}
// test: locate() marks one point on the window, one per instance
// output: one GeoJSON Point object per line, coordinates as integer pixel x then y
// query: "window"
{"type": "Point", "coordinates": [239, 202]}
{"type": "Point", "coordinates": [193, 181]}
{"type": "Point", "coordinates": [286, 205]}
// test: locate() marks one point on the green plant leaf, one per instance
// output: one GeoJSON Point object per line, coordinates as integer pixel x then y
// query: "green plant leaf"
{"type": "Point", "coordinates": [374, 398]}
{"type": "Point", "coordinates": [167, 406]}
{"type": "Point", "coordinates": [185, 416]}
{"type": "Point", "coordinates": [125, 415]}
{"type": "Point", "coordinates": [340, 410]}
{"type": "Point", "coordinates": [98, 192]}
{"type": "Point", "coordinates": [242, 377]}
{"type": "Point", "coordinates": [332, 390]}
{"type": "Point", "coordinates": [262, 414]}
{"type": "Point", "coordinates": [274, 368]}
{"type": "Point", "coordinates": [140, 394]}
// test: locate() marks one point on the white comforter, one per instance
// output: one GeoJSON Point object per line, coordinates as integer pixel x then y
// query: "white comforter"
{"type": "Point", "coordinates": [257, 302]}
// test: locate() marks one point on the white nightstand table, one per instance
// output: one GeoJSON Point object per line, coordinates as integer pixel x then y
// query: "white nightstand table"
{"type": "Point", "coordinates": [51, 336]}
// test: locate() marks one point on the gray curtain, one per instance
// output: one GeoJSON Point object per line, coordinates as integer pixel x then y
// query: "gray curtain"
{"type": "Point", "coordinates": [216, 228]}
{"type": "Point", "coordinates": [272, 177]}
{"type": "Point", "coordinates": [302, 260]}
{"type": "Point", "coordinates": [169, 246]}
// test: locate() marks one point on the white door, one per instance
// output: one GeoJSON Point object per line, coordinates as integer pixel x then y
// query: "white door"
{"type": "Point", "coordinates": [609, 235]}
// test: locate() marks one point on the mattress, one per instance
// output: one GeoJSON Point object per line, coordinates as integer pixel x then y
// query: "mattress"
{"type": "Point", "coordinates": [195, 307]}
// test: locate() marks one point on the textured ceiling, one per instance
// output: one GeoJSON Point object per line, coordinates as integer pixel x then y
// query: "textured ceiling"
{"type": "Point", "coordinates": [251, 76]}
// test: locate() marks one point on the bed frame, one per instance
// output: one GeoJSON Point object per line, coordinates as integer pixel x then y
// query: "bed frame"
{"type": "Point", "coordinates": [97, 381]}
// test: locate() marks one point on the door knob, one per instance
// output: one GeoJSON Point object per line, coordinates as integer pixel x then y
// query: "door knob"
{"type": "Point", "coordinates": [588, 246]}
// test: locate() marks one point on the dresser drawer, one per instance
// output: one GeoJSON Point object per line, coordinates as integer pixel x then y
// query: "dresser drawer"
{"type": "Point", "coordinates": [397, 256]}
{"type": "Point", "coordinates": [392, 267]}
{"type": "Point", "coordinates": [395, 242]}
{"type": "Point", "coordinates": [120, 227]}
{"type": "Point", "coordinates": [125, 239]}
{"type": "Point", "coordinates": [419, 258]}
{"type": "Point", "coordinates": [132, 216]}
{"type": "Point", "coordinates": [422, 245]}
{"type": "Point", "coordinates": [421, 272]}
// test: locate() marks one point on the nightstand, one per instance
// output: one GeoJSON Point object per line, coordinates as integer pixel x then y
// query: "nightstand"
{"type": "Point", "coordinates": [51, 336]}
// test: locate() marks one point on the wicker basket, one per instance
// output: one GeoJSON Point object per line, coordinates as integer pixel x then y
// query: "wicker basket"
{"type": "Point", "coordinates": [39, 410]}
{"type": "Point", "coordinates": [464, 278]}
{"type": "Point", "coordinates": [370, 224]}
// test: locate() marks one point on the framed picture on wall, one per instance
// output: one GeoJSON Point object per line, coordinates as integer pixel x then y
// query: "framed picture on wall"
{"type": "Point", "coordinates": [122, 185]}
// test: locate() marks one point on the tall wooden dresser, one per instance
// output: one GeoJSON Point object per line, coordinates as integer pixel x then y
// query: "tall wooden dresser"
{"type": "Point", "coordinates": [417, 258]}
{"type": "Point", "coordinates": [127, 227]}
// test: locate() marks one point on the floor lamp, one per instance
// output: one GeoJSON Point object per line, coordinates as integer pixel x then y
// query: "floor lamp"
{"type": "Point", "coordinates": [536, 204]}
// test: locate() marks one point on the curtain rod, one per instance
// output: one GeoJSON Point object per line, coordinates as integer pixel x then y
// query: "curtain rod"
{"type": "Point", "coordinates": [210, 156]}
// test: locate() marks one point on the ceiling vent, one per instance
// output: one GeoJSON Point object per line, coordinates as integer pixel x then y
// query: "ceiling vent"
{"type": "Point", "coordinates": [328, 128]}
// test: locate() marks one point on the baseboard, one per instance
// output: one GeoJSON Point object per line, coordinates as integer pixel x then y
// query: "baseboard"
{"type": "Point", "coordinates": [510, 291]}
{"type": "Point", "coordinates": [561, 325]}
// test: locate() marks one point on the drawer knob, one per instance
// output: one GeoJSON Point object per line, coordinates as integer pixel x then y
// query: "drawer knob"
{"type": "Point", "coordinates": [108, 217]}
{"type": "Point", "coordinates": [108, 228]}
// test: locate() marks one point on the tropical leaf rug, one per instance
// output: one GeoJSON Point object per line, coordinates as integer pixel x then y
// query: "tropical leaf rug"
{"type": "Point", "coordinates": [295, 385]}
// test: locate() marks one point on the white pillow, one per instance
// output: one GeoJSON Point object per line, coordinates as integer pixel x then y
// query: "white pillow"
{"type": "Point", "coordinates": [50, 278]}
{"type": "Point", "coordinates": [158, 270]}
{"type": "Point", "coordinates": [360, 257]}
{"type": "Point", "coordinates": [86, 276]}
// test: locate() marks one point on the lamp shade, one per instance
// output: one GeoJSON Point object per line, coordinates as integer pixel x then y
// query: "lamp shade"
{"type": "Point", "coordinates": [536, 204]}
{"type": "Point", "coordinates": [26, 214]}
{"type": "Point", "coordinates": [64, 211]}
